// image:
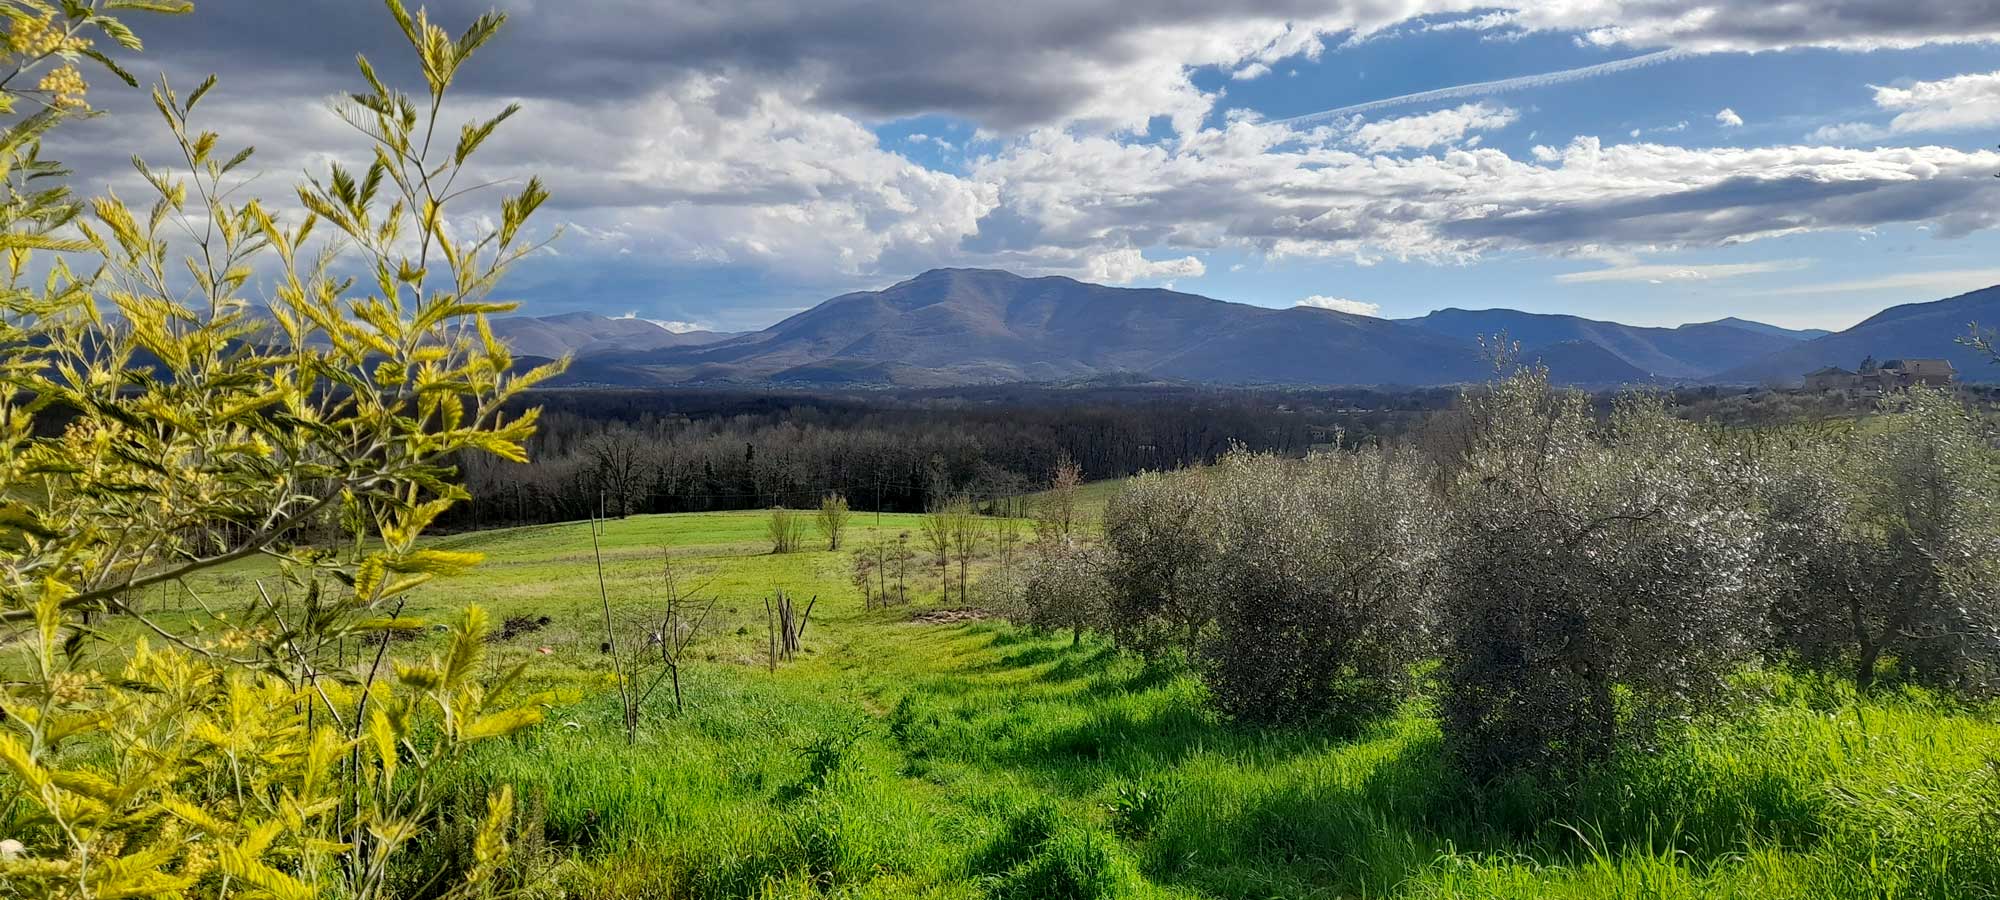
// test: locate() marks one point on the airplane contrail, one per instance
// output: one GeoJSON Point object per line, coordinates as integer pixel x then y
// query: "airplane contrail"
{"type": "Point", "coordinates": [1483, 88]}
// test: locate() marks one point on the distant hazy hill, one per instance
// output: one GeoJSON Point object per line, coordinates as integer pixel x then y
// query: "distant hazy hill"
{"type": "Point", "coordinates": [586, 333]}
{"type": "Point", "coordinates": [1690, 351]}
{"type": "Point", "coordinates": [1803, 334]}
{"type": "Point", "coordinates": [953, 326]}
{"type": "Point", "coordinates": [1585, 363]}
{"type": "Point", "coordinates": [1930, 330]}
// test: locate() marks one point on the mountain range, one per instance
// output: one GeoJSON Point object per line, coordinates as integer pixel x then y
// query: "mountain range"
{"type": "Point", "coordinates": [952, 327]}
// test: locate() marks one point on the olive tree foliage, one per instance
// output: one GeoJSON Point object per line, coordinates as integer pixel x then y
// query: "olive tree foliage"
{"type": "Point", "coordinates": [1324, 584]}
{"type": "Point", "coordinates": [1822, 575]}
{"type": "Point", "coordinates": [1064, 584]}
{"type": "Point", "coordinates": [1885, 548]}
{"type": "Point", "coordinates": [1163, 535]}
{"type": "Point", "coordinates": [1596, 583]}
{"type": "Point", "coordinates": [155, 424]}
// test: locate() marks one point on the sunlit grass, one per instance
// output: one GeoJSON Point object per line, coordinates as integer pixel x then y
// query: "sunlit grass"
{"type": "Point", "coordinates": [901, 759]}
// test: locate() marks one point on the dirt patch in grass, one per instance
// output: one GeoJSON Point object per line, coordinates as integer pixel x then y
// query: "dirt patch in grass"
{"type": "Point", "coordinates": [951, 616]}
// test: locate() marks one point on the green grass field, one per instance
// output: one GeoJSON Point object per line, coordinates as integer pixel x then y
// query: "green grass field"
{"type": "Point", "coordinates": [1091, 498]}
{"type": "Point", "coordinates": [899, 758]}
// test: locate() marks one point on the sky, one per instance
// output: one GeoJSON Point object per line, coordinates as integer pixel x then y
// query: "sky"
{"type": "Point", "coordinates": [722, 165]}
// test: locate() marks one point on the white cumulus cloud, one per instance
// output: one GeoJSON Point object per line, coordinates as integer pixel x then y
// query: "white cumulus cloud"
{"type": "Point", "coordinates": [1421, 132]}
{"type": "Point", "coordinates": [1128, 265]}
{"type": "Point", "coordinates": [1728, 118]}
{"type": "Point", "coordinates": [1953, 104]}
{"type": "Point", "coordinates": [1959, 103]}
{"type": "Point", "coordinates": [1339, 304]}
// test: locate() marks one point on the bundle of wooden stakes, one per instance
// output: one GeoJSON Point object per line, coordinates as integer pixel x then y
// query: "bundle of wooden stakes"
{"type": "Point", "coordinates": [785, 627]}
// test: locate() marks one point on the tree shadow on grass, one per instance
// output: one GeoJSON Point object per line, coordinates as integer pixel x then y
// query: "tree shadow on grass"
{"type": "Point", "coordinates": [1141, 740]}
{"type": "Point", "coordinates": [1070, 661]}
{"type": "Point", "coordinates": [1112, 735]}
{"type": "Point", "coordinates": [1399, 806]}
{"type": "Point", "coordinates": [1368, 831]}
{"type": "Point", "coordinates": [1334, 832]}
{"type": "Point", "coordinates": [1151, 674]}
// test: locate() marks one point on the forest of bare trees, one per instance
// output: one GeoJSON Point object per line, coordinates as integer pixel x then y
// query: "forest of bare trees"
{"type": "Point", "coordinates": [654, 452]}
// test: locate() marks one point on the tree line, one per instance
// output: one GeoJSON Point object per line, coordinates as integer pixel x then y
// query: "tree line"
{"type": "Point", "coordinates": [621, 453]}
{"type": "Point", "coordinates": [1568, 584]}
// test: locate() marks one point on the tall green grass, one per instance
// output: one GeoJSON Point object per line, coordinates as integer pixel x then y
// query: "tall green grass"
{"type": "Point", "coordinates": [900, 759]}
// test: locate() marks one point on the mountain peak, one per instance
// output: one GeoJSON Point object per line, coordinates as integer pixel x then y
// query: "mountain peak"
{"type": "Point", "coordinates": [951, 273]}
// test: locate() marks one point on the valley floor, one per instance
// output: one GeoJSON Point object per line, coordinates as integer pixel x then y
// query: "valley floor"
{"type": "Point", "coordinates": [903, 757]}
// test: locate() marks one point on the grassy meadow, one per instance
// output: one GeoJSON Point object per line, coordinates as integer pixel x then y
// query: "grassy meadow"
{"type": "Point", "coordinates": [1091, 497]}
{"type": "Point", "coordinates": [904, 757]}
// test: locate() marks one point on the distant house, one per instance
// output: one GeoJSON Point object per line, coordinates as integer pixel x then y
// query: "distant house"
{"type": "Point", "coordinates": [1907, 372]}
{"type": "Point", "coordinates": [1895, 374]}
{"type": "Point", "coordinates": [1831, 378]}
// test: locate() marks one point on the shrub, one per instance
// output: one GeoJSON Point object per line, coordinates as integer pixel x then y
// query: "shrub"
{"type": "Point", "coordinates": [786, 529]}
{"type": "Point", "coordinates": [1595, 585]}
{"type": "Point", "coordinates": [831, 520]}
{"type": "Point", "coordinates": [1325, 584]}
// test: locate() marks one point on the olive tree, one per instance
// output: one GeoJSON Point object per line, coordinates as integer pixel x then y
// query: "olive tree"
{"type": "Point", "coordinates": [1824, 574]}
{"type": "Point", "coordinates": [1936, 501]}
{"type": "Point", "coordinates": [1163, 533]}
{"type": "Point", "coordinates": [1596, 582]}
{"type": "Point", "coordinates": [1063, 584]}
{"type": "Point", "coordinates": [1884, 548]}
{"type": "Point", "coordinates": [1325, 584]}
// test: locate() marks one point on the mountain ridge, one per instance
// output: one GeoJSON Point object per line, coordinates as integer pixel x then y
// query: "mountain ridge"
{"type": "Point", "coordinates": [1931, 329]}
{"type": "Point", "coordinates": [952, 327]}
{"type": "Point", "coordinates": [1690, 351]}
{"type": "Point", "coordinates": [979, 325]}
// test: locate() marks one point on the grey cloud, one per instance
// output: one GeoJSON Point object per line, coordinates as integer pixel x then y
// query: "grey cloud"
{"type": "Point", "coordinates": [1004, 64]}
